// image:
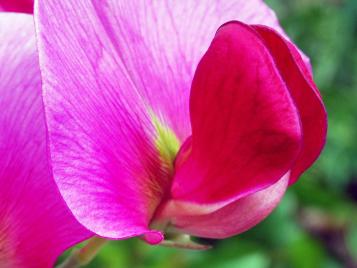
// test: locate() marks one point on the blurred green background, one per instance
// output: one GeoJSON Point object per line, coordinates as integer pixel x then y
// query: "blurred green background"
{"type": "Point", "coordinates": [316, 223]}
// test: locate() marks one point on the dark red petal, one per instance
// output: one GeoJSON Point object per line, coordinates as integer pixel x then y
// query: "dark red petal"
{"type": "Point", "coordinates": [25, 6]}
{"type": "Point", "coordinates": [245, 126]}
{"type": "Point", "coordinates": [304, 93]}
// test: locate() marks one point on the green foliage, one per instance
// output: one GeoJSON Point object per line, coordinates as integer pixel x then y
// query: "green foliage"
{"type": "Point", "coordinates": [315, 225]}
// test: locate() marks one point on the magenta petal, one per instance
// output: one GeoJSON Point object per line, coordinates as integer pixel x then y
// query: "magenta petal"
{"type": "Point", "coordinates": [35, 224]}
{"type": "Point", "coordinates": [245, 127]}
{"type": "Point", "coordinates": [110, 69]}
{"type": "Point", "coordinates": [235, 217]}
{"type": "Point", "coordinates": [25, 6]}
{"type": "Point", "coordinates": [100, 124]}
{"type": "Point", "coordinates": [306, 97]}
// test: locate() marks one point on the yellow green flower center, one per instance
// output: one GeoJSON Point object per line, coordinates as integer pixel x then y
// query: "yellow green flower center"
{"type": "Point", "coordinates": [166, 143]}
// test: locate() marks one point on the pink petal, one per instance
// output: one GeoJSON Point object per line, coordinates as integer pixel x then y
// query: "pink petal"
{"type": "Point", "coordinates": [108, 69]}
{"type": "Point", "coordinates": [306, 97]}
{"type": "Point", "coordinates": [235, 218]}
{"type": "Point", "coordinates": [246, 130]}
{"type": "Point", "coordinates": [25, 6]}
{"type": "Point", "coordinates": [35, 224]}
{"type": "Point", "coordinates": [102, 138]}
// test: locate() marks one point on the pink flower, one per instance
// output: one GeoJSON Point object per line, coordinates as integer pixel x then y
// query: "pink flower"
{"type": "Point", "coordinates": [25, 6]}
{"type": "Point", "coordinates": [143, 143]}
{"type": "Point", "coordinates": [35, 224]}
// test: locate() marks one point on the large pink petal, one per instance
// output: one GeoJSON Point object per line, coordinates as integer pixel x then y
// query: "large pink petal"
{"type": "Point", "coordinates": [35, 224]}
{"type": "Point", "coordinates": [25, 6]}
{"type": "Point", "coordinates": [234, 218]}
{"type": "Point", "coordinates": [110, 70]}
{"type": "Point", "coordinates": [305, 94]}
{"type": "Point", "coordinates": [245, 127]}
{"type": "Point", "coordinates": [100, 125]}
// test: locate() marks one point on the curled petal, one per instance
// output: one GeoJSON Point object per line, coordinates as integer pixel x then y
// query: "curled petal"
{"type": "Point", "coordinates": [245, 126]}
{"type": "Point", "coordinates": [305, 95]}
{"type": "Point", "coordinates": [35, 224]}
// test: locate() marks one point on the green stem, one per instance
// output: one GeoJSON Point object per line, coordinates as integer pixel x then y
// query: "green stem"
{"type": "Point", "coordinates": [83, 256]}
{"type": "Point", "coordinates": [183, 241]}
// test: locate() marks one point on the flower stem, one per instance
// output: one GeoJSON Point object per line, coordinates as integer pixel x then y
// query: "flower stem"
{"type": "Point", "coordinates": [83, 256]}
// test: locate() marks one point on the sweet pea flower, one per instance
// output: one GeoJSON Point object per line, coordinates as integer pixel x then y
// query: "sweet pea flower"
{"type": "Point", "coordinates": [23, 6]}
{"type": "Point", "coordinates": [35, 224]}
{"type": "Point", "coordinates": [155, 129]}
